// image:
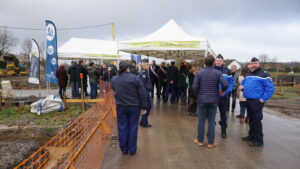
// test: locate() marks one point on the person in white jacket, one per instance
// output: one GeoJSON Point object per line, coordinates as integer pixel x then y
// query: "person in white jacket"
{"type": "Point", "coordinates": [242, 99]}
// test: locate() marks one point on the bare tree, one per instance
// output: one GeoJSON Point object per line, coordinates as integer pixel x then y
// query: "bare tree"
{"type": "Point", "coordinates": [7, 41]}
{"type": "Point", "coordinates": [263, 58]}
{"type": "Point", "coordinates": [26, 46]}
{"type": "Point", "coordinates": [42, 46]}
{"type": "Point", "coordinates": [26, 49]}
{"type": "Point", "coordinates": [274, 63]}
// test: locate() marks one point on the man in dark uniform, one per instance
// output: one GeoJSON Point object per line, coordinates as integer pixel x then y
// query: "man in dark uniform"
{"type": "Point", "coordinates": [172, 72]}
{"type": "Point", "coordinates": [130, 99]}
{"type": "Point", "coordinates": [153, 72]}
{"type": "Point", "coordinates": [162, 73]}
{"type": "Point", "coordinates": [258, 88]}
{"type": "Point", "coordinates": [145, 78]}
{"type": "Point", "coordinates": [223, 100]}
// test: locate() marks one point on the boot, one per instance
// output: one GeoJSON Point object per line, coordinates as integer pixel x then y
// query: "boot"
{"type": "Point", "coordinates": [246, 120]}
{"type": "Point", "coordinates": [223, 132]}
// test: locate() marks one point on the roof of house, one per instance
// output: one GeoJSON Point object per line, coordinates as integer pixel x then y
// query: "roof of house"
{"type": "Point", "coordinates": [228, 61]}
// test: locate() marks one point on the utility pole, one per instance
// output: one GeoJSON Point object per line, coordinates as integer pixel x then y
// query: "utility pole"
{"type": "Point", "coordinates": [113, 32]}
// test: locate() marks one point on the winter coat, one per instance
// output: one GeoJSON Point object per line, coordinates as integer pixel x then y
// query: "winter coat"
{"type": "Point", "coordinates": [62, 76]}
{"type": "Point", "coordinates": [182, 78]}
{"type": "Point", "coordinates": [74, 73]}
{"type": "Point", "coordinates": [83, 70]}
{"type": "Point", "coordinates": [206, 85]}
{"type": "Point", "coordinates": [258, 85]}
{"type": "Point", "coordinates": [94, 74]}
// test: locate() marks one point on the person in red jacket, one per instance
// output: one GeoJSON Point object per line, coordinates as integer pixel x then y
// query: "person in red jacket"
{"type": "Point", "coordinates": [62, 76]}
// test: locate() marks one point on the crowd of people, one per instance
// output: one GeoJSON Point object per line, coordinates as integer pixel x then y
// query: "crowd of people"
{"type": "Point", "coordinates": [79, 75]}
{"type": "Point", "coordinates": [204, 91]}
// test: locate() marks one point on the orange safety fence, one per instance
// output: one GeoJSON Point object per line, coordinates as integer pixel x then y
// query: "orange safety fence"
{"type": "Point", "coordinates": [82, 144]}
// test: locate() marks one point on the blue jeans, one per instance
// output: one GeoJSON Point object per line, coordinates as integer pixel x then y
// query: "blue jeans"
{"type": "Point", "coordinates": [75, 89]}
{"type": "Point", "coordinates": [243, 106]}
{"type": "Point", "coordinates": [144, 120]}
{"type": "Point", "coordinates": [171, 89]}
{"type": "Point", "coordinates": [207, 110]}
{"type": "Point", "coordinates": [93, 90]}
{"type": "Point", "coordinates": [128, 120]}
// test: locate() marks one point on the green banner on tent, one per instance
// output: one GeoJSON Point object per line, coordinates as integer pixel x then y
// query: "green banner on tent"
{"type": "Point", "coordinates": [166, 44]}
{"type": "Point", "coordinates": [101, 55]}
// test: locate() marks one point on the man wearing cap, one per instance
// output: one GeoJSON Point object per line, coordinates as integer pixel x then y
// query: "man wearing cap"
{"type": "Point", "coordinates": [223, 100]}
{"type": "Point", "coordinates": [145, 78]}
{"type": "Point", "coordinates": [258, 89]}
{"type": "Point", "coordinates": [129, 93]}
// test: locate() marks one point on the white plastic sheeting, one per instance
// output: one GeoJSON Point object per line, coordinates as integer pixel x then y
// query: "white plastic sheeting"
{"type": "Point", "coordinates": [50, 104]}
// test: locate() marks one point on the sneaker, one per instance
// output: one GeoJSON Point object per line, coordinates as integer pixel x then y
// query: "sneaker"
{"type": "Point", "coordinates": [212, 145]}
{"type": "Point", "coordinates": [248, 138]}
{"type": "Point", "coordinates": [198, 142]}
{"type": "Point", "coordinates": [238, 116]}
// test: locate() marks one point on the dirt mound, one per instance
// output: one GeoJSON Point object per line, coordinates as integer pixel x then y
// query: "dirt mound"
{"type": "Point", "coordinates": [18, 143]}
{"type": "Point", "coordinates": [14, 152]}
{"type": "Point", "coordinates": [289, 107]}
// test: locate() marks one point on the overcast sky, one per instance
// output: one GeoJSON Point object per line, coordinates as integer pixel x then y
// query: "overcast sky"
{"type": "Point", "coordinates": [238, 29]}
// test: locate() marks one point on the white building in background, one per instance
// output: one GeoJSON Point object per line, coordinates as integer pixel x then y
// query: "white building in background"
{"type": "Point", "coordinates": [231, 62]}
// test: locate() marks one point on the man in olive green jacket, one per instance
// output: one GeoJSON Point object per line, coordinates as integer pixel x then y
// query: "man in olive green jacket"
{"type": "Point", "coordinates": [94, 79]}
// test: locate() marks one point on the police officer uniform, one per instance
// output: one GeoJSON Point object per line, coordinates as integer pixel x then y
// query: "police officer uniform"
{"type": "Point", "coordinates": [223, 100]}
{"type": "Point", "coordinates": [258, 88]}
{"type": "Point", "coordinates": [145, 78]}
{"type": "Point", "coordinates": [130, 98]}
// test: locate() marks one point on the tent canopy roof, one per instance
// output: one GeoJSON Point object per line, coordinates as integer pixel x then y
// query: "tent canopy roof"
{"type": "Point", "coordinates": [88, 49]}
{"type": "Point", "coordinates": [171, 31]}
{"type": "Point", "coordinates": [170, 41]}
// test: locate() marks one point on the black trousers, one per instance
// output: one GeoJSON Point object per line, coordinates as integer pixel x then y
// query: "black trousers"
{"type": "Point", "coordinates": [192, 108]}
{"type": "Point", "coordinates": [163, 86]}
{"type": "Point", "coordinates": [155, 81]}
{"type": "Point", "coordinates": [223, 105]}
{"type": "Point", "coordinates": [255, 112]}
{"type": "Point", "coordinates": [233, 96]}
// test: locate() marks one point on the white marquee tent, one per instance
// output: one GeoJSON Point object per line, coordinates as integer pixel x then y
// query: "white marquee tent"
{"type": "Point", "coordinates": [168, 42]}
{"type": "Point", "coordinates": [77, 48]}
{"type": "Point", "coordinates": [93, 49]}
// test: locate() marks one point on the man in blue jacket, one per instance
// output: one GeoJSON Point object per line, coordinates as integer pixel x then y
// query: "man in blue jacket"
{"type": "Point", "coordinates": [258, 88]}
{"type": "Point", "coordinates": [145, 78]}
{"type": "Point", "coordinates": [223, 100]}
{"type": "Point", "coordinates": [206, 87]}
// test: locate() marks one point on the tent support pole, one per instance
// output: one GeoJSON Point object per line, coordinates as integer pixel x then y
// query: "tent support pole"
{"type": "Point", "coordinates": [118, 60]}
{"type": "Point", "coordinates": [206, 51]}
